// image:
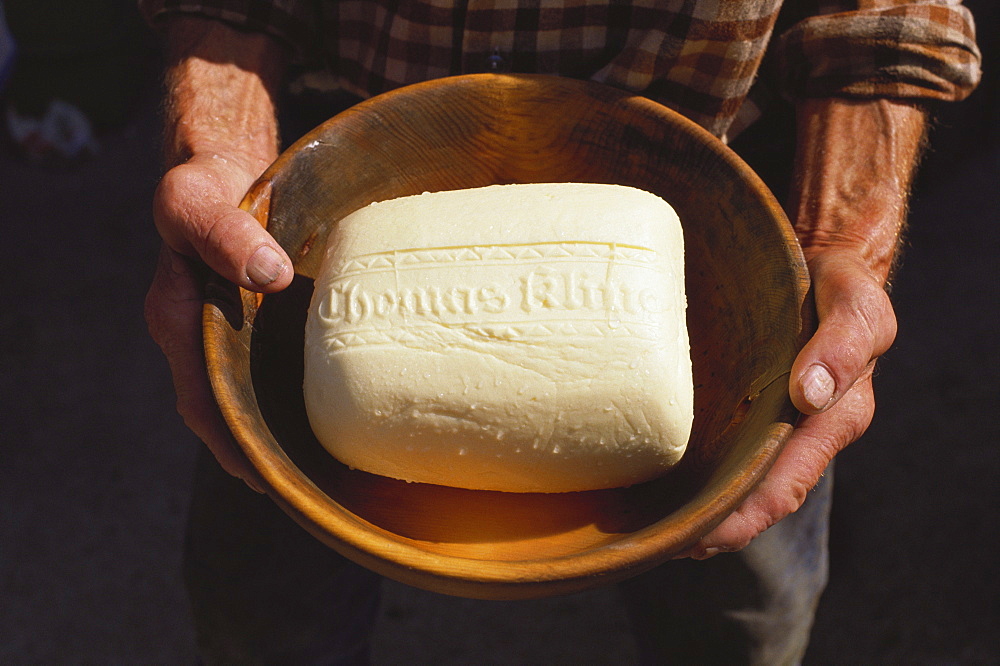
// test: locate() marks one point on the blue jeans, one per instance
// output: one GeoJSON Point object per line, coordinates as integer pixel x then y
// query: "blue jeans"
{"type": "Point", "coordinates": [264, 591]}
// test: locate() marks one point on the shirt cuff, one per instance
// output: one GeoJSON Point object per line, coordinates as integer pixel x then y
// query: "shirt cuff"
{"type": "Point", "coordinates": [910, 51]}
{"type": "Point", "coordinates": [289, 21]}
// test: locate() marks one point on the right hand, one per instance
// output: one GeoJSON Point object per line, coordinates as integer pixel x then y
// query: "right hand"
{"type": "Point", "coordinates": [196, 212]}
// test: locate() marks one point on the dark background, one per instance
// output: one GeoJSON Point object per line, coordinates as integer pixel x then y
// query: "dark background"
{"type": "Point", "coordinates": [95, 466]}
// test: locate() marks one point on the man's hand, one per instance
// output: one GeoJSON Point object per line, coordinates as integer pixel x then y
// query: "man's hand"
{"type": "Point", "coordinates": [854, 165]}
{"type": "Point", "coordinates": [221, 135]}
{"type": "Point", "coordinates": [195, 209]}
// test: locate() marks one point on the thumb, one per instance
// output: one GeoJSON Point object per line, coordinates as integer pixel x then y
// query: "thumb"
{"type": "Point", "coordinates": [196, 212]}
{"type": "Point", "coordinates": [856, 325]}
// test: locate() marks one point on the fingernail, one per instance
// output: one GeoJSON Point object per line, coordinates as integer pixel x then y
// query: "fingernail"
{"type": "Point", "coordinates": [707, 553]}
{"type": "Point", "coordinates": [265, 266]}
{"type": "Point", "coordinates": [818, 387]}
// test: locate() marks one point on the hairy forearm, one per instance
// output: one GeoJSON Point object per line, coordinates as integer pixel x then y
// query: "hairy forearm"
{"type": "Point", "coordinates": [220, 93]}
{"type": "Point", "coordinates": [854, 166]}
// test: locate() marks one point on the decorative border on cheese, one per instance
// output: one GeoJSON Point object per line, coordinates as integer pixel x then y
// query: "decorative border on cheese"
{"type": "Point", "coordinates": [416, 336]}
{"type": "Point", "coordinates": [511, 253]}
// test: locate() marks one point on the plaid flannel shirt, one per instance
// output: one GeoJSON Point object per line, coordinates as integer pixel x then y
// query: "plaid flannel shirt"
{"type": "Point", "coordinates": [703, 58]}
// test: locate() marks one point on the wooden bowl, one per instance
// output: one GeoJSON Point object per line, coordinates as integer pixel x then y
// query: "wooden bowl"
{"type": "Point", "coordinates": [746, 282]}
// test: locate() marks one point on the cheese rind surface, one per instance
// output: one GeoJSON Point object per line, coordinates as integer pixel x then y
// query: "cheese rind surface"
{"type": "Point", "coordinates": [524, 338]}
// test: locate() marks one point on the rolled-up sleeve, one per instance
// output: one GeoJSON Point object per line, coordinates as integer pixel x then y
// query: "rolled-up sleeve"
{"type": "Point", "coordinates": [897, 50]}
{"type": "Point", "coordinates": [289, 21]}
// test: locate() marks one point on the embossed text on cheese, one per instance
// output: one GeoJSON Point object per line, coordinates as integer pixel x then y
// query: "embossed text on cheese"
{"type": "Point", "coordinates": [597, 282]}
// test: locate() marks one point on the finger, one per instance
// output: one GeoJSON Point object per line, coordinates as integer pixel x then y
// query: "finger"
{"type": "Point", "coordinates": [803, 460]}
{"type": "Point", "coordinates": [196, 212]}
{"type": "Point", "coordinates": [173, 315]}
{"type": "Point", "coordinates": [856, 324]}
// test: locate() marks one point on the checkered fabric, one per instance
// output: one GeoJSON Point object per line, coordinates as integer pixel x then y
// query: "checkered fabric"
{"type": "Point", "coordinates": [700, 57]}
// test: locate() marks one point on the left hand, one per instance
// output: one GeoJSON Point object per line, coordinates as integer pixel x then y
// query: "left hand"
{"type": "Point", "coordinates": [854, 166]}
{"type": "Point", "coordinates": [831, 384]}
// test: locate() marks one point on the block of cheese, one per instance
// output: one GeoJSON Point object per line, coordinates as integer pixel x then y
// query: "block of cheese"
{"type": "Point", "coordinates": [523, 338]}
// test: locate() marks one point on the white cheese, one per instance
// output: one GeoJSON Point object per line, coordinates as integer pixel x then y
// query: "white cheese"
{"type": "Point", "coordinates": [525, 338]}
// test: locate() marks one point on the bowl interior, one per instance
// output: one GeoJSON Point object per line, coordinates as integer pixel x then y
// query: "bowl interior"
{"type": "Point", "coordinates": [746, 284]}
